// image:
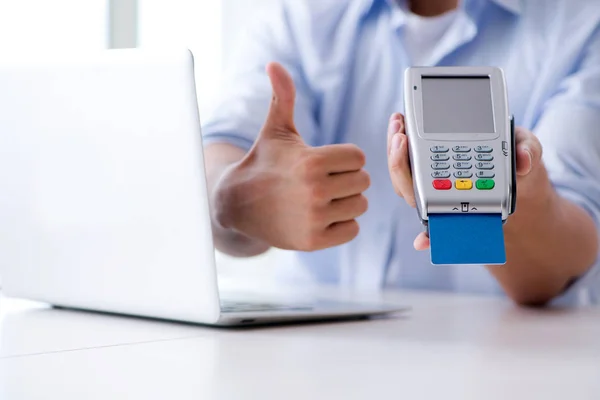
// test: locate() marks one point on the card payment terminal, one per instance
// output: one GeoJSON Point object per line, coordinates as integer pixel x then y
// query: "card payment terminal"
{"type": "Point", "coordinates": [463, 160]}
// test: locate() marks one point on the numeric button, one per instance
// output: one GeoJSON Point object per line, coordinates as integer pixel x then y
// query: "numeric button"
{"type": "Point", "coordinates": [463, 165]}
{"type": "Point", "coordinates": [440, 174]}
{"type": "Point", "coordinates": [485, 165]}
{"type": "Point", "coordinates": [439, 149]}
{"type": "Point", "coordinates": [440, 165]}
{"type": "Point", "coordinates": [440, 157]}
{"type": "Point", "coordinates": [483, 149]}
{"type": "Point", "coordinates": [484, 157]}
{"type": "Point", "coordinates": [461, 149]}
{"type": "Point", "coordinates": [462, 157]}
{"type": "Point", "coordinates": [463, 174]}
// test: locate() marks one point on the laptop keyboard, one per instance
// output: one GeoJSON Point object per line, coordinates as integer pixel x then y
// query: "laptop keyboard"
{"type": "Point", "coordinates": [246, 306]}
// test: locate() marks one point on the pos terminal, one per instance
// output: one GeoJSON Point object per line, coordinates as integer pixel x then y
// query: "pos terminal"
{"type": "Point", "coordinates": [463, 160]}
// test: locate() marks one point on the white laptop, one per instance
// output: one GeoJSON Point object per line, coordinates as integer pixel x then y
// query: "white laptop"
{"type": "Point", "coordinates": [103, 199]}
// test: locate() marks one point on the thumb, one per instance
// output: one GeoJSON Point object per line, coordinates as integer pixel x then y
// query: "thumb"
{"type": "Point", "coordinates": [281, 112]}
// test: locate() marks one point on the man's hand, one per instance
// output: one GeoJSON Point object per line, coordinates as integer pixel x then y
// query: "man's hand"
{"type": "Point", "coordinates": [529, 167]}
{"type": "Point", "coordinates": [287, 194]}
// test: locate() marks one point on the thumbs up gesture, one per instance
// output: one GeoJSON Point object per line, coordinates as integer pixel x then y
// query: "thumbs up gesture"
{"type": "Point", "coordinates": [288, 194]}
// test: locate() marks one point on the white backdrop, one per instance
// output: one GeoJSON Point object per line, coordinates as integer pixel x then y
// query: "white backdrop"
{"type": "Point", "coordinates": [32, 25]}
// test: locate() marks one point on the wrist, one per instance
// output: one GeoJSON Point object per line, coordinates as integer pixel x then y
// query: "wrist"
{"type": "Point", "coordinates": [222, 201]}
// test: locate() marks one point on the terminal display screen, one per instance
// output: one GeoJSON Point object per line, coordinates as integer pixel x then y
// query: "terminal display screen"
{"type": "Point", "coordinates": [457, 105]}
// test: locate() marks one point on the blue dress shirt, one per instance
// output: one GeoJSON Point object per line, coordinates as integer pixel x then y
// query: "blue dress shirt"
{"type": "Point", "coordinates": [347, 60]}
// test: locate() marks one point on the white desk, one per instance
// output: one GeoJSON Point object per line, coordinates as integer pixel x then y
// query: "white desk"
{"type": "Point", "coordinates": [448, 347]}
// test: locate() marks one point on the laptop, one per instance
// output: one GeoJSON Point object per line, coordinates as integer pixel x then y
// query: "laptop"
{"type": "Point", "coordinates": [103, 197]}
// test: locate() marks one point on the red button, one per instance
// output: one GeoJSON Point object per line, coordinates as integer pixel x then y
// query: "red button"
{"type": "Point", "coordinates": [442, 184]}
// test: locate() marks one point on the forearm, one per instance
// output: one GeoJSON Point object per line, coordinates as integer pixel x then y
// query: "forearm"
{"type": "Point", "coordinates": [220, 157]}
{"type": "Point", "coordinates": [549, 242]}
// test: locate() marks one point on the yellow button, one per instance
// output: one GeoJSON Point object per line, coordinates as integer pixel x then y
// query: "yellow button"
{"type": "Point", "coordinates": [464, 184]}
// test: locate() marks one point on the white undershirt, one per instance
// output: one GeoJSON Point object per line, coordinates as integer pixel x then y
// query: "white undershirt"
{"type": "Point", "coordinates": [422, 35]}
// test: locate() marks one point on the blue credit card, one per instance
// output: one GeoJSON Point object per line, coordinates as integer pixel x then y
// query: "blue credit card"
{"type": "Point", "coordinates": [466, 239]}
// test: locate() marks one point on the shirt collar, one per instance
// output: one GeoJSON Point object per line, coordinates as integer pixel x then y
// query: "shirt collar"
{"type": "Point", "coordinates": [513, 6]}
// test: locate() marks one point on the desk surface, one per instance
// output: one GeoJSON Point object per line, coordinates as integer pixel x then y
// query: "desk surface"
{"type": "Point", "coordinates": [447, 347]}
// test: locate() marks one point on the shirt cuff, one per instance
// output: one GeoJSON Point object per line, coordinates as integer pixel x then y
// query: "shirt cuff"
{"type": "Point", "coordinates": [229, 138]}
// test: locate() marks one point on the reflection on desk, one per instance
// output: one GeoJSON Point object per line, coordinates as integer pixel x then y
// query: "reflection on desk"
{"type": "Point", "coordinates": [449, 347]}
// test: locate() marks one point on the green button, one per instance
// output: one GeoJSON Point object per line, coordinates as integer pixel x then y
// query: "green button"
{"type": "Point", "coordinates": [485, 184]}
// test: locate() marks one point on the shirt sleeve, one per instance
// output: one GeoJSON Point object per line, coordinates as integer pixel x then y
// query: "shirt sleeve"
{"type": "Point", "coordinates": [240, 108]}
{"type": "Point", "coordinates": [569, 130]}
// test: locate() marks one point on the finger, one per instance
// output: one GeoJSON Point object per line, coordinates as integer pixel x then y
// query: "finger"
{"type": "Point", "coordinates": [340, 233]}
{"type": "Point", "coordinates": [529, 151]}
{"type": "Point", "coordinates": [281, 111]}
{"type": "Point", "coordinates": [422, 242]}
{"type": "Point", "coordinates": [347, 209]}
{"type": "Point", "coordinates": [339, 158]}
{"type": "Point", "coordinates": [348, 184]}
{"type": "Point", "coordinates": [396, 125]}
{"type": "Point", "coordinates": [400, 170]}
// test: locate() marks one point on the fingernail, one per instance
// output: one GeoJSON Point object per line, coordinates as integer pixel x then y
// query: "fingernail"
{"type": "Point", "coordinates": [530, 164]}
{"type": "Point", "coordinates": [530, 160]}
{"type": "Point", "coordinates": [529, 154]}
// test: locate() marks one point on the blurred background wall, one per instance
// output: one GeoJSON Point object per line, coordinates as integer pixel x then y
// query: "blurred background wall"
{"type": "Point", "coordinates": [209, 27]}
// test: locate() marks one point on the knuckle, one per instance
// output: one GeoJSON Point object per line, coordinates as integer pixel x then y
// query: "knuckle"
{"type": "Point", "coordinates": [301, 170]}
{"type": "Point", "coordinates": [315, 163]}
{"type": "Point", "coordinates": [365, 180]}
{"type": "Point", "coordinates": [314, 215]}
{"type": "Point", "coordinates": [310, 242]}
{"type": "Point", "coordinates": [353, 229]}
{"type": "Point", "coordinates": [309, 167]}
{"type": "Point", "coordinates": [361, 159]}
{"type": "Point", "coordinates": [354, 153]}
{"type": "Point", "coordinates": [398, 165]}
{"type": "Point", "coordinates": [361, 205]}
{"type": "Point", "coordinates": [317, 192]}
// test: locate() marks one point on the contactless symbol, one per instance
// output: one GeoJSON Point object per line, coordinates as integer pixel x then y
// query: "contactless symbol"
{"type": "Point", "coordinates": [465, 207]}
